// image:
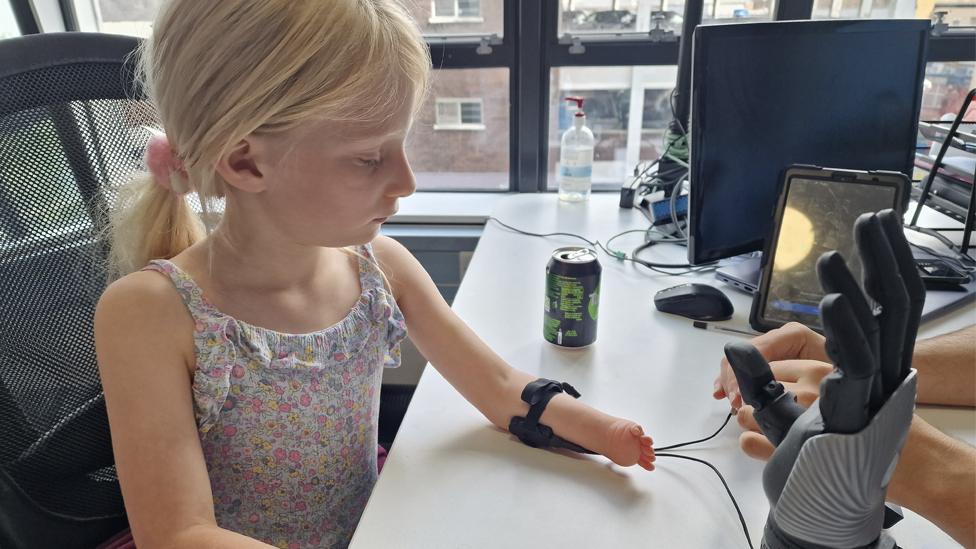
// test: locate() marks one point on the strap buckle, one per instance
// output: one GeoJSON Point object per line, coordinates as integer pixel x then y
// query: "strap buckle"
{"type": "Point", "coordinates": [528, 429]}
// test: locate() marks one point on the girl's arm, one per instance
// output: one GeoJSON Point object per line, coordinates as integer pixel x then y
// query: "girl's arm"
{"type": "Point", "coordinates": [484, 379]}
{"type": "Point", "coordinates": [144, 341]}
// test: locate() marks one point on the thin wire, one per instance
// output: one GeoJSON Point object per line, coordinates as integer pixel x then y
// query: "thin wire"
{"type": "Point", "coordinates": [677, 160]}
{"type": "Point", "coordinates": [618, 235]}
{"type": "Point", "coordinates": [742, 520]}
{"type": "Point", "coordinates": [611, 252]}
{"type": "Point", "coordinates": [944, 240]}
{"type": "Point", "coordinates": [713, 435]}
{"type": "Point", "coordinates": [665, 237]}
{"type": "Point", "coordinates": [644, 172]}
{"type": "Point", "coordinates": [622, 256]}
{"type": "Point", "coordinates": [544, 235]}
{"type": "Point", "coordinates": [650, 264]}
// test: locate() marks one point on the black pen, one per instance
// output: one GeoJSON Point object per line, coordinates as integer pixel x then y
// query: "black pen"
{"type": "Point", "coordinates": [706, 326]}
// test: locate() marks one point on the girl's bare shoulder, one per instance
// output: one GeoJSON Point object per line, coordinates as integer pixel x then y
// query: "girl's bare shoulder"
{"type": "Point", "coordinates": [143, 310]}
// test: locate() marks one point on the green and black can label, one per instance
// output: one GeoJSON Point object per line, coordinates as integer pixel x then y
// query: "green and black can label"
{"type": "Point", "coordinates": [572, 297]}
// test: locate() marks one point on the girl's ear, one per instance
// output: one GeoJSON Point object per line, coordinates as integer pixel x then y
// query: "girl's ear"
{"type": "Point", "coordinates": [239, 167]}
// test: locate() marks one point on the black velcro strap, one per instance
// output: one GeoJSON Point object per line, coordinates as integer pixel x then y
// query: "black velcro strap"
{"type": "Point", "coordinates": [528, 429]}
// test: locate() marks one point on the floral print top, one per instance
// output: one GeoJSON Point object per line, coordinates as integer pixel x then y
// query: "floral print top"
{"type": "Point", "coordinates": [288, 422]}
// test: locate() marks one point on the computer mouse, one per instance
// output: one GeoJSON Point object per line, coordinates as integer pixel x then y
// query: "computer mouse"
{"type": "Point", "coordinates": [695, 301]}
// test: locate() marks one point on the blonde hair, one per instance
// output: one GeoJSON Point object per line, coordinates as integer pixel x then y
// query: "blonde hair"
{"type": "Point", "coordinates": [219, 70]}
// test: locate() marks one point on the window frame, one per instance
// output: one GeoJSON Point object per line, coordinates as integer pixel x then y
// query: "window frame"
{"type": "Point", "coordinates": [531, 55]}
{"type": "Point", "coordinates": [459, 102]}
{"type": "Point", "coordinates": [435, 19]}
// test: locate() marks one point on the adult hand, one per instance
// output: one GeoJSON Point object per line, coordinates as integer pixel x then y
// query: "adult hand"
{"type": "Point", "coordinates": [800, 377]}
{"type": "Point", "coordinates": [794, 341]}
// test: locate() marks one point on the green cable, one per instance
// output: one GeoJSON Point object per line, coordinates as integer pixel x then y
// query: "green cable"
{"type": "Point", "coordinates": [676, 146]}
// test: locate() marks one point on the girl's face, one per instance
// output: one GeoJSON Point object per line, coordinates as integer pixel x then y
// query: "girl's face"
{"type": "Point", "coordinates": [332, 185]}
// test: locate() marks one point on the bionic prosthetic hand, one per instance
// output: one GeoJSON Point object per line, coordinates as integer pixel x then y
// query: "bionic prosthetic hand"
{"type": "Point", "coordinates": [827, 479]}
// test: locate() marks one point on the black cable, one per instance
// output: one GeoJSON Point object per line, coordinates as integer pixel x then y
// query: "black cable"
{"type": "Point", "coordinates": [961, 257]}
{"type": "Point", "coordinates": [679, 445]}
{"type": "Point", "coordinates": [947, 258]}
{"type": "Point", "coordinates": [622, 256]}
{"type": "Point", "coordinates": [657, 452]}
{"type": "Point", "coordinates": [742, 520]}
{"type": "Point", "coordinates": [654, 265]}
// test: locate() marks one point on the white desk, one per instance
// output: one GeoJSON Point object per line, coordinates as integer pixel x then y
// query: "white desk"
{"type": "Point", "coordinates": [453, 480]}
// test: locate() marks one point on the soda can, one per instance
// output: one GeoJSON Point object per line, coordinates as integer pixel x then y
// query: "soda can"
{"type": "Point", "coordinates": [572, 297]}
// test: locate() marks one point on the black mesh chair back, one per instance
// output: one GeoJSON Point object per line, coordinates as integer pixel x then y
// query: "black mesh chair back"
{"type": "Point", "coordinates": [72, 129]}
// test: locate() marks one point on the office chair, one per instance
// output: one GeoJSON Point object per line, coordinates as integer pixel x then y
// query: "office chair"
{"type": "Point", "coordinates": [70, 115]}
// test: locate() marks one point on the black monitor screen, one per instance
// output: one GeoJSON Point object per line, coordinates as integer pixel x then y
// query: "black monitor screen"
{"type": "Point", "coordinates": [843, 94]}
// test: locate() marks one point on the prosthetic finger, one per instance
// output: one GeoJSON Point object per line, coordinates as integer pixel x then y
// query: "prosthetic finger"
{"type": "Point", "coordinates": [883, 283]}
{"type": "Point", "coordinates": [835, 277]}
{"type": "Point", "coordinates": [845, 393]}
{"type": "Point", "coordinates": [775, 408]}
{"type": "Point", "coordinates": [891, 222]}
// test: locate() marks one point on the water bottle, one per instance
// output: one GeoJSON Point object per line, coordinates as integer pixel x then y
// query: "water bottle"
{"type": "Point", "coordinates": [576, 158]}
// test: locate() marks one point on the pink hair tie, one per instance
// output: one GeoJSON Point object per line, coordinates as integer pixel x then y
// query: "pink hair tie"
{"type": "Point", "coordinates": [165, 166]}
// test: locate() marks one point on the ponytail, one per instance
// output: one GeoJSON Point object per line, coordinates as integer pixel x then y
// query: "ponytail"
{"type": "Point", "coordinates": [149, 222]}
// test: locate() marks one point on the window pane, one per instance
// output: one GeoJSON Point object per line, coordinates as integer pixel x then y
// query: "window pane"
{"type": "Point", "coordinates": [959, 12]}
{"type": "Point", "coordinates": [447, 113]}
{"type": "Point", "coordinates": [469, 8]}
{"type": "Point", "coordinates": [131, 17]}
{"type": "Point", "coordinates": [475, 158]}
{"type": "Point", "coordinates": [610, 16]}
{"type": "Point", "coordinates": [435, 17]}
{"type": "Point", "coordinates": [945, 88]}
{"type": "Point", "coordinates": [627, 108]}
{"type": "Point", "coordinates": [471, 113]}
{"type": "Point", "coordinates": [8, 24]}
{"type": "Point", "coordinates": [453, 17]}
{"type": "Point", "coordinates": [730, 11]}
{"type": "Point", "coordinates": [444, 8]}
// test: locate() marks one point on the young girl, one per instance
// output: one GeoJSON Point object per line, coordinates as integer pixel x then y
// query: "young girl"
{"type": "Point", "coordinates": [242, 365]}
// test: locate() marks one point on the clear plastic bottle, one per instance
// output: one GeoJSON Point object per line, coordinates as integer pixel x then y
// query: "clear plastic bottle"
{"type": "Point", "coordinates": [576, 158]}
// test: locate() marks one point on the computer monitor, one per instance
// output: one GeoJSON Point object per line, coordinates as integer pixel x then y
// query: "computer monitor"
{"type": "Point", "coordinates": [843, 94]}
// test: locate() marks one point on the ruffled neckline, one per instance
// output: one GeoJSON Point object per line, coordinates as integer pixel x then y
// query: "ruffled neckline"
{"type": "Point", "coordinates": [225, 345]}
{"type": "Point", "coordinates": [363, 304]}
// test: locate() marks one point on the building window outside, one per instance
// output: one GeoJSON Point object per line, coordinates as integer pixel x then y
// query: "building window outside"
{"type": "Point", "coordinates": [459, 114]}
{"type": "Point", "coordinates": [959, 13]}
{"type": "Point", "coordinates": [8, 24]}
{"type": "Point", "coordinates": [627, 108]}
{"type": "Point", "coordinates": [470, 160]}
{"type": "Point", "coordinates": [454, 11]}
{"type": "Point", "coordinates": [945, 88]}
{"type": "Point", "coordinates": [582, 17]}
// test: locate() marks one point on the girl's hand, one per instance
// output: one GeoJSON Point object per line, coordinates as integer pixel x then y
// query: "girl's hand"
{"type": "Point", "coordinates": [626, 445]}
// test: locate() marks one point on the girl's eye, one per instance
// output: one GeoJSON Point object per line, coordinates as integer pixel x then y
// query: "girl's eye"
{"type": "Point", "coordinates": [370, 162]}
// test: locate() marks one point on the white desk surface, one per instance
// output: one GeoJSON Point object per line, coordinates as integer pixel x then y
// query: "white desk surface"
{"type": "Point", "coordinates": [453, 480]}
